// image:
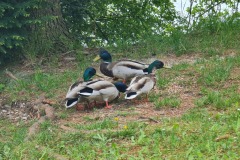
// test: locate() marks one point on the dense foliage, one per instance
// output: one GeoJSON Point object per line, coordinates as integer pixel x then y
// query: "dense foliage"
{"type": "Point", "coordinates": [213, 16]}
{"type": "Point", "coordinates": [121, 20]}
{"type": "Point", "coordinates": [16, 21]}
{"type": "Point", "coordinates": [101, 22]}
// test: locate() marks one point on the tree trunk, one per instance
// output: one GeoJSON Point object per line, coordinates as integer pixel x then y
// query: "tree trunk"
{"type": "Point", "coordinates": [51, 35]}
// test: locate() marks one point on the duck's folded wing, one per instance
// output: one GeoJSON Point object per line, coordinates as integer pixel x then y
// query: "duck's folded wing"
{"type": "Point", "coordinates": [130, 64]}
{"type": "Point", "coordinates": [74, 88]}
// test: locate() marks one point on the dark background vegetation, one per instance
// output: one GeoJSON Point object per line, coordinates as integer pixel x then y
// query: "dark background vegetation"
{"type": "Point", "coordinates": [31, 28]}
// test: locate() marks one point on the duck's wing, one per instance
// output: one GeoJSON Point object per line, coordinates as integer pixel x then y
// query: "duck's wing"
{"type": "Point", "coordinates": [72, 96]}
{"type": "Point", "coordinates": [139, 84]}
{"type": "Point", "coordinates": [130, 64]}
{"type": "Point", "coordinates": [135, 79]}
{"type": "Point", "coordinates": [74, 88]}
{"type": "Point", "coordinates": [97, 87]}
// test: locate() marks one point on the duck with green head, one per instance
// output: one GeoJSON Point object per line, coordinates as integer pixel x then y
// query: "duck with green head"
{"type": "Point", "coordinates": [72, 97]}
{"type": "Point", "coordinates": [124, 69]}
{"type": "Point", "coordinates": [101, 90]}
{"type": "Point", "coordinates": [142, 84]}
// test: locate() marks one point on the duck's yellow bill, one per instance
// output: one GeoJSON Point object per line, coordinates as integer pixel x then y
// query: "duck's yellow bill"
{"type": "Point", "coordinates": [99, 75]}
{"type": "Point", "coordinates": [96, 58]}
{"type": "Point", "coordinates": [167, 67]}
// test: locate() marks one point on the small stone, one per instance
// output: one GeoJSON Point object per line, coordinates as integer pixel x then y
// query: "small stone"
{"type": "Point", "coordinates": [22, 105]}
{"type": "Point", "coordinates": [17, 118]}
{"type": "Point", "coordinates": [161, 112]}
{"type": "Point", "coordinates": [7, 106]}
{"type": "Point", "coordinates": [4, 111]}
{"type": "Point", "coordinates": [24, 118]}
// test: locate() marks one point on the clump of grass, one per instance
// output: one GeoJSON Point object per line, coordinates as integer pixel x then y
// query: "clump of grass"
{"type": "Point", "coordinates": [218, 99]}
{"type": "Point", "coordinates": [172, 102]}
{"type": "Point", "coordinates": [162, 82]}
{"type": "Point", "coordinates": [214, 72]}
{"type": "Point", "coordinates": [181, 66]}
{"type": "Point", "coordinates": [2, 86]}
{"type": "Point", "coordinates": [104, 124]}
{"type": "Point", "coordinates": [214, 98]}
{"type": "Point", "coordinates": [41, 82]}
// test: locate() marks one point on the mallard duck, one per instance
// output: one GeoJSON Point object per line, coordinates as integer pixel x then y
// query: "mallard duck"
{"type": "Point", "coordinates": [139, 85]}
{"type": "Point", "coordinates": [101, 90]}
{"type": "Point", "coordinates": [72, 97]}
{"type": "Point", "coordinates": [124, 69]}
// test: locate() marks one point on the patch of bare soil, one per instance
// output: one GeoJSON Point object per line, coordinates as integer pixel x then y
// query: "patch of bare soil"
{"type": "Point", "coordinates": [125, 110]}
{"type": "Point", "coordinates": [17, 111]}
{"type": "Point", "coordinates": [23, 111]}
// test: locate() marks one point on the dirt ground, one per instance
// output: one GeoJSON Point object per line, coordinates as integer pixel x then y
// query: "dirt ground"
{"type": "Point", "coordinates": [130, 111]}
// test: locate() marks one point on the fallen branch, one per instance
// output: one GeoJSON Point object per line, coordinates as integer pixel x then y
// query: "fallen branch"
{"type": "Point", "coordinates": [69, 59]}
{"type": "Point", "coordinates": [150, 119]}
{"type": "Point", "coordinates": [222, 137]}
{"type": "Point", "coordinates": [9, 74]}
{"type": "Point", "coordinates": [49, 114]}
{"type": "Point", "coordinates": [63, 54]}
{"type": "Point", "coordinates": [34, 128]}
{"type": "Point", "coordinates": [48, 101]}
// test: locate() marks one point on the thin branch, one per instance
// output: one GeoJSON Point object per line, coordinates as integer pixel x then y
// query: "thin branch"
{"type": "Point", "coordinates": [209, 9]}
{"type": "Point", "coordinates": [9, 74]}
{"type": "Point", "coordinates": [190, 13]}
{"type": "Point", "coordinates": [98, 27]}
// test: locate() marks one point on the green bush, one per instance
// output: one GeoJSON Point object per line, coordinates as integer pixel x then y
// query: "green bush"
{"type": "Point", "coordinates": [99, 21]}
{"type": "Point", "coordinates": [16, 23]}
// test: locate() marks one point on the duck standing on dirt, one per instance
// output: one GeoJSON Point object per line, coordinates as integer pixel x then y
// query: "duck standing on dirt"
{"type": "Point", "coordinates": [72, 97]}
{"type": "Point", "coordinates": [124, 69]}
{"type": "Point", "coordinates": [142, 84]}
{"type": "Point", "coordinates": [101, 90]}
{"type": "Point", "coordinates": [139, 85]}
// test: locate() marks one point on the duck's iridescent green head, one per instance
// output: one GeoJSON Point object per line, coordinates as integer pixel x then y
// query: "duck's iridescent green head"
{"type": "Point", "coordinates": [105, 56]}
{"type": "Point", "coordinates": [121, 86]}
{"type": "Point", "coordinates": [88, 73]}
{"type": "Point", "coordinates": [155, 65]}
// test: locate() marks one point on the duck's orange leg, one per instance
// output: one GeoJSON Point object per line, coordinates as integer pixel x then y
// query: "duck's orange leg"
{"type": "Point", "coordinates": [107, 106]}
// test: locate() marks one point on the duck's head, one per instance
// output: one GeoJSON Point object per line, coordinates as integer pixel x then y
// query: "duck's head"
{"type": "Point", "coordinates": [104, 55]}
{"type": "Point", "coordinates": [121, 86]}
{"type": "Point", "coordinates": [155, 65]}
{"type": "Point", "coordinates": [89, 73]}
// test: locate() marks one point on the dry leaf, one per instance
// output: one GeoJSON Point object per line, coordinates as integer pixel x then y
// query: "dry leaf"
{"type": "Point", "coordinates": [222, 137]}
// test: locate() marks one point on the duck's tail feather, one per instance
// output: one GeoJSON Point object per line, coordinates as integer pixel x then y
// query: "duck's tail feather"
{"type": "Point", "coordinates": [71, 102]}
{"type": "Point", "coordinates": [131, 95]}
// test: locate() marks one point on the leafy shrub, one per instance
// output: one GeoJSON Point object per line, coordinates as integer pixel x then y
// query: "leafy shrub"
{"type": "Point", "coordinates": [16, 23]}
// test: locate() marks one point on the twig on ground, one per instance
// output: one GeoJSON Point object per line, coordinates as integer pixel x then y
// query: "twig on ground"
{"type": "Point", "coordinates": [149, 118]}
{"type": "Point", "coordinates": [9, 74]}
{"type": "Point", "coordinates": [63, 54]}
{"type": "Point", "coordinates": [49, 114]}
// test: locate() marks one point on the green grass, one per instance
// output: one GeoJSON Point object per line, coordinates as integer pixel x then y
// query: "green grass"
{"type": "Point", "coordinates": [208, 131]}
{"type": "Point", "coordinates": [193, 136]}
{"type": "Point", "coordinates": [221, 99]}
{"type": "Point", "coordinates": [215, 71]}
{"type": "Point", "coordinates": [171, 102]}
